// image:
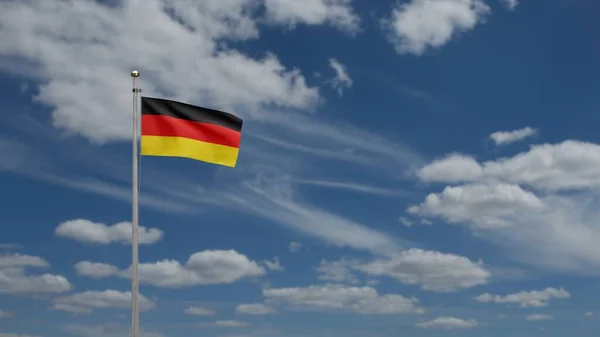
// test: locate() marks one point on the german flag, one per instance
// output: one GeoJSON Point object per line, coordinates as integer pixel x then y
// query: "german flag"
{"type": "Point", "coordinates": [176, 129]}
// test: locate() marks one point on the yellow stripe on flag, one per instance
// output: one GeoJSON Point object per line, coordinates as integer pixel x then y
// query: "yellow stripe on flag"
{"type": "Point", "coordinates": [189, 148]}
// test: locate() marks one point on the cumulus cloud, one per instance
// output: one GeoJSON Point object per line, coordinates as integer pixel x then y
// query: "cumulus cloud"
{"type": "Point", "coordinates": [227, 324]}
{"type": "Point", "coordinates": [541, 204]}
{"type": "Point", "coordinates": [453, 168]}
{"type": "Point", "coordinates": [527, 299]}
{"type": "Point", "coordinates": [206, 267]}
{"type": "Point", "coordinates": [482, 205]}
{"type": "Point", "coordinates": [254, 309]}
{"type": "Point", "coordinates": [95, 270]}
{"type": "Point", "coordinates": [87, 231]}
{"type": "Point", "coordinates": [364, 300]}
{"type": "Point", "coordinates": [564, 166]}
{"type": "Point", "coordinates": [15, 280]}
{"type": "Point", "coordinates": [107, 329]}
{"type": "Point", "coordinates": [338, 13]}
{"type": "Point", "coordinates": [569, 165]}
{"type": "Point", "coordinates": [388, 304]}
{"type": "Point", "coordinates": [418, 25]}
{"type": "Point", "coordinates": [508, 137]}
{"type": "Point", "coordinates": [199, 311]}
{"type": "Point", "coordinates": [87, 301]}
{"type": "Point", "coordinates": [19, 261]}
{"type": "Point", "coordinates": [136, 28]}
{"type": "Point", "coordinates": [448, 323]}
{"type": "Point", "coordinates": [201, 268]}
{"type": "Point", "coordinates": [430, 270]}
{"type": "Point", "coordinates": [342, 79]}
{"type": "Point", "coordinates": [539, 317]}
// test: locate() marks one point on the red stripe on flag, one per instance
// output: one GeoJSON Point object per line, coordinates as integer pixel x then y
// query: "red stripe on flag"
{"type": "Point", "coordinates": [159, 125]}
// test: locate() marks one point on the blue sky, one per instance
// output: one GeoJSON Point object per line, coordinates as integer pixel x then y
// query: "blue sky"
{"type": "Point", "coordinates": [420, 167]}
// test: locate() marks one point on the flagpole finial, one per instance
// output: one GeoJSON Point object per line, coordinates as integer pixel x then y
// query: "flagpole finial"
{"type": "Point", "coordinates": [135, 74]}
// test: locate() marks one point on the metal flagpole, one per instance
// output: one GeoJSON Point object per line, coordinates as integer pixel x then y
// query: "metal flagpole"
{"type": "Point", "coordinates": [135, 212]}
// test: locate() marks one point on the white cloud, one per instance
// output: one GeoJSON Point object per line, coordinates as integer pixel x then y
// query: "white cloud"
{"type": "Point", "coordinates": [486, 206]}
{"type": "Point", "coordinates": [527, 299]}
{"type": "Point", "coordinates": [107, 35]}
{"type": "Point", "coordinates": [560, 235]}
{"type": "Point", "coordinates": [589, 314]}
{"type": "Point", "coordinates": [570, 165]}
{"type": "Point", "coordinates": [338, 13]}
{"type": "Point", "coordinates": [511, 4]}
{"type": "Point", "coordinates": [553, 167]}
{"type": "Point", "coordinates": [19, 260]}
{"type": "Point", "coordinates": [330, 296]}
{"type": "Point", "coordinates": [254, 309]}
{"type": "Point", "coordinates": [388, 304]}
{"type": "Point", "coordinates": [95, 270]}
{"type": "Point", "coordinates": [539, 317]}
{"type": "Point", "coordinates": [201, 268]}
{"type": "Point", "coordinates": [452, 168]}
{"type": "Point", "coordinates": [107, 329]}
{"type": "Point", "coordinates": [342, 79]}
{"type": "Point", "coordinates": [430, 270]}
{"type": "Point", "coordinates": [421, 24]}
{"type": "Point", "coordinates": [508, 137]}
{"type": "Point", "coordinates": [294, 247]}
{"type": "Point", "coordinates": [363, 300]}
{"type": "Point", "coordinates": [14, 279]}
{"type": "Point", "coordinates": [199, 311]}
{"type": "Point", "coordinates": [448, 323]}
{"type": "Point", "coordinates": [86, 301]}
{"type": "Point", "coordinates": [274, 265]}
{"type": "Point", "coordinates": [206, 267]}
{"type": "Point", "coordinates": [337, 271]}
{"type": "Point", "coordinates": [98, 233]}
{"type": "Point", "coordinates": [227, 324]}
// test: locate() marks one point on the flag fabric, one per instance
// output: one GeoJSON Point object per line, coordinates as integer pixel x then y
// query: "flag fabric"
{"type": "Point", "coordinates": [176, 129]}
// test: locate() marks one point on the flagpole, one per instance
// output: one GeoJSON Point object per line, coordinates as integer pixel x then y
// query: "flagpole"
{"type": "Point", "coordinates": [135, 211]}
